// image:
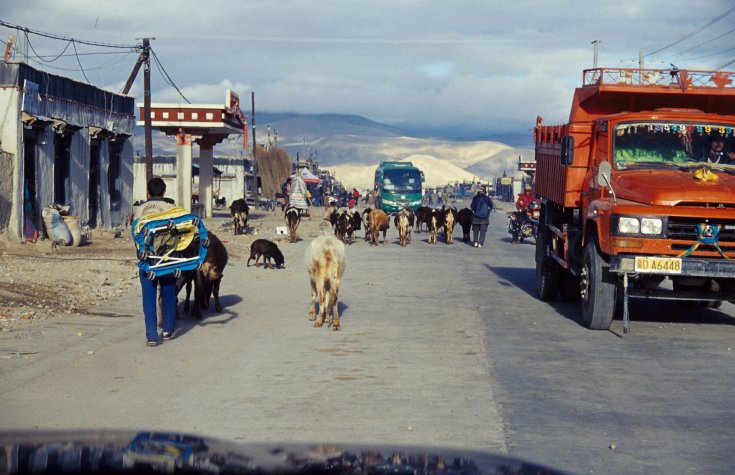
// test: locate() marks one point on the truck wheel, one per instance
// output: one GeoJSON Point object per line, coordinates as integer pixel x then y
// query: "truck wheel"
{"type": "Point", "coordinates": [570, 287]}
{"type": "Point", "coordinates": [547, 269]}
{"type": "Point", "coordinates": [598, 289]}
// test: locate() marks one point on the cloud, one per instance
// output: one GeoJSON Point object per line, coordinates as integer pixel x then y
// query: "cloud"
{"type": "Point", "coordinates": [472, 64]}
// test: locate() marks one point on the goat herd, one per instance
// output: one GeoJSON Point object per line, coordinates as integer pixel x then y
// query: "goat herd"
{"type": "Point", "coordinates": [325, 255]}
{"type": "Point", "coordinates": [375, 221]}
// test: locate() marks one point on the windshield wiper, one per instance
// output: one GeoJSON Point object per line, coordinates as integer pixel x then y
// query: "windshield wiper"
{"type": "Point", "coordinates": [642, 164]}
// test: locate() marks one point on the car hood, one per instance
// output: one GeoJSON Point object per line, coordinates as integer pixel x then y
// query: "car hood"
{"type": "Point", "coordinates": [671, 188]}
{"type": "Point", "coordinates": [164, 452]}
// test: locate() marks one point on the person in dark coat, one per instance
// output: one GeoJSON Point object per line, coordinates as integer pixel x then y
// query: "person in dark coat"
{"type": "Point", "coordinates": [481, 207]}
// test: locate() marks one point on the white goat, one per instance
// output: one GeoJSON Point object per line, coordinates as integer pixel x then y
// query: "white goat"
{"type": "Point", "coordinates": [325, 262]}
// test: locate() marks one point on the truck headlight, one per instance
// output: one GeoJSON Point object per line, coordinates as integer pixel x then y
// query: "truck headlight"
{"type": "Point", "coordinates": [629, 226]}
{"type": "Point", "coordinates": [651, 226]}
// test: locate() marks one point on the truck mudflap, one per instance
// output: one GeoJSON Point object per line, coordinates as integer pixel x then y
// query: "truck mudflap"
{"type": "Point", "coordinates": [626, 265]}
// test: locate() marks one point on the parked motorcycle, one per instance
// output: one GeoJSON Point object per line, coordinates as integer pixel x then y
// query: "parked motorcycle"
{"type": "Point", "coordinates": [524, 224]}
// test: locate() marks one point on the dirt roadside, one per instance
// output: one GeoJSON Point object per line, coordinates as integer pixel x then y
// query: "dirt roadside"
{"type": "Point", "coordinates": [40, 285]}
{"type": "Point", "coordinates": [38, 282]}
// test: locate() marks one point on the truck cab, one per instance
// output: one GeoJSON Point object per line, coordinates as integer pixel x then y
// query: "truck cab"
{"type": "Point", "coordinates": [639, 188]}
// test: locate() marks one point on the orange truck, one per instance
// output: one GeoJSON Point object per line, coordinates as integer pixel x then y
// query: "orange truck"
{"type": "Point", "coordinates": [638, 192]}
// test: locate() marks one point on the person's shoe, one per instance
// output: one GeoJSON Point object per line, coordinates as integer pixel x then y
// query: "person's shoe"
{"type": "Point", "coordinates": [477, 244]}
{"type": "Point", "coordinates": [151, 343]}
{"type": "Point", "coordinates": [168, 335]}
{"type": "Point", "coordinates": [514, 242]}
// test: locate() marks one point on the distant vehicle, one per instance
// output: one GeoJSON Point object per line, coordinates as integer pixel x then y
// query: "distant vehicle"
{"type": "Point", "coordinates": [398, 185]}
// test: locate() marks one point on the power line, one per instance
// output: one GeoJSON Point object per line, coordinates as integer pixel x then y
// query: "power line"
{"type": "Point", "coordinates": [28, 40]}
{"type": "Point", "coordinates": [80, 63]}
{"type": "Point", "coordinates": [725, 65]}
{"type": "Point", "coordinates": [709, 55]}
{"type": "Point", "coordinates": [706, 42]}
{"type": "Point", "coordinates": [76, 70]}
{"type": "Point", "coordinates": [167, 77]}
{"type": "Point", "coordinates": [698, 30]}
{"type": "Point", "coordinates": [64, 38]}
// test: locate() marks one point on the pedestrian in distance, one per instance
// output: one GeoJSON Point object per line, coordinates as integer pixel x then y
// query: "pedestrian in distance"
{"type": "Point", "coordinates": [156, 203]}
{"type": "Point", "coordinates": [481, 207]}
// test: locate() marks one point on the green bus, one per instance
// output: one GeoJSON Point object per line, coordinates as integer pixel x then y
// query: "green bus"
{"type": "Point", "coordinates": [398, 185]}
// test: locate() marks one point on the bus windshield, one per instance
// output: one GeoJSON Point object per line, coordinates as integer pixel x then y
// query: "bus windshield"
{"type": "Point", "coordinates": [639, 145]}
{"type": "Point", "coordinates": [402, 181]}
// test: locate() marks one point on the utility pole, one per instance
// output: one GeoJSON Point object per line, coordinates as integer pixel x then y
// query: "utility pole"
{"type": "Point", "coordinates": [255, 148]}
{"type": "Point", "coordinates": [594, 60]}
{"type": "Point", "coordinates": [145, 54]}
{"type": "Point", "coordinates": [145, 60]}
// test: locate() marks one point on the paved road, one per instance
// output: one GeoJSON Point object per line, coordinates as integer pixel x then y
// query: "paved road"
{"type": "Point", "coordinates": [655, 400]}
{"type": "Point", "coordinates": [441, 345]}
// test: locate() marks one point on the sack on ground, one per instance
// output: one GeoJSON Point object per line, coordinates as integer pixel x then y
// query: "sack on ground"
{"type": "Point", "coordinates": [56, 228]}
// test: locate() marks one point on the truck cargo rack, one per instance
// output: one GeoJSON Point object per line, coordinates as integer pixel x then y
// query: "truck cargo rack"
{"type": "Point", "coordinates": [685, 80]}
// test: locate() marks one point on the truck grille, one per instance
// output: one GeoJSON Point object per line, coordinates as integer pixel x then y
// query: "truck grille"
{"type": "Point", "coordinates": [686, 229]}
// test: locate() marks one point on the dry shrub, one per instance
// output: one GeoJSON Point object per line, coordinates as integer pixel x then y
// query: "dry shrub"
{"type": "Point", "coordinates": [274, 168]}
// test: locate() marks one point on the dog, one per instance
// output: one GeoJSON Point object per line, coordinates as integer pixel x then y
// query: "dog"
{"type": "Point", "coordinates": [269, 250]}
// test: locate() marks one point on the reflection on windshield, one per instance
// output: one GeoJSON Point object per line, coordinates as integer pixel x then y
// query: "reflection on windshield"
{"type": "Point", "coordinates": [402, 181]}
{"type": "Point", "coordinates": [651, 144]}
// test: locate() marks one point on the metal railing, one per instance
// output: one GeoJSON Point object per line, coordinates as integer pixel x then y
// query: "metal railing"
{"type": "Point", "coordinates": [680, 78]}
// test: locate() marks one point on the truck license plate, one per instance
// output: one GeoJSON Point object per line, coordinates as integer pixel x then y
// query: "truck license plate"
{"type": "Point", "coordinates": [657, 265]}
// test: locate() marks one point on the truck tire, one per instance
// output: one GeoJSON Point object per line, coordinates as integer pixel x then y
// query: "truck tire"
{"type": "Point", "coordinates": [599, 289]}
{"type": "Point", "coordinates": [548, 271]}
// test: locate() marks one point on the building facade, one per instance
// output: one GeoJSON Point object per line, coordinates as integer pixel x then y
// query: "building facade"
{"type": "Point", "coordinates": [63, 142]}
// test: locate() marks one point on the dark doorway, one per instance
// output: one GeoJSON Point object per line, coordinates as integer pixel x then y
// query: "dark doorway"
{"type": "Point", "coordinates": [62, 160]}
{"type": "Point", "coordinates": [114, 182]}
{"type": "Point", "coordinates": [94, 183]}
{"type": "Point", "coordinates": [29, 179]}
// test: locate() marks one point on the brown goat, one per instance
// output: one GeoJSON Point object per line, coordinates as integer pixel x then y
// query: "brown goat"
{"type": "Point", "coordinates": [379, 221]}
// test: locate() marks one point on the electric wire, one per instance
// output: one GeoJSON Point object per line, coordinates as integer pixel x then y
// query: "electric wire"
{"type": "Point", "coordinates": [64, 38]}
{"type": "Point", "coordinates": [706, 42]}
{"type": "Point", "coordinates": [716, 53]}
{"type": "Point", "coordinates": [725, 65]}
{"type": "Point", "coordinates": [698, 30]}
{"type": "Point", "coordinates": [167, 78]}
{"type": "Point", "coordinates": [76, 70]}
{"type": "Point", "coordinates": [30, 45]}
{"type": "Point", "coordinates": [80, 63]}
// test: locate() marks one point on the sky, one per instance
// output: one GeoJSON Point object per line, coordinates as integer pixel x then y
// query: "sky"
{"type": "Point", "coordinates": [482, 66]}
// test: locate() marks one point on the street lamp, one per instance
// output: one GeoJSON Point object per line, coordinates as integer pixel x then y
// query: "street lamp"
{"type": "Point", "coordinates": [594, 61]}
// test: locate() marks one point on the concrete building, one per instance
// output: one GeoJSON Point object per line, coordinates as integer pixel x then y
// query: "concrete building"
{"type": "Point", "coordinates": [62, 142]}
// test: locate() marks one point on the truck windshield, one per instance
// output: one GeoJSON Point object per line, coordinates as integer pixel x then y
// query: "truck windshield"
{"type": "Point", "coordinates": [402, 181]}
{"type": "Point", "coordinates": [643, 144]}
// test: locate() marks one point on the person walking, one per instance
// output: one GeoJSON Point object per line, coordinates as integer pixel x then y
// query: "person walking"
{"type": "Point", "coordinates": [156, 203]}
{"type": "Point", "coordinates": [481, 207]}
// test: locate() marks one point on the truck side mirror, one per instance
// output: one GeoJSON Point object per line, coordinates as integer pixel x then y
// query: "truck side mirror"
{"type": "Point", "coordinates": [567, 150]}
{"type": "Point", "coordinates": [603, 174]}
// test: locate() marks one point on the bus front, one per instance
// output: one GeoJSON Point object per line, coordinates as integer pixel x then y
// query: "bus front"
{"type": "Point", "coordinates": [399, 188]}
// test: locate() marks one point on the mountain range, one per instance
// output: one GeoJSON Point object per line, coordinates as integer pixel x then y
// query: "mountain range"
{"type": "Point", "coordinates": [352, 146]}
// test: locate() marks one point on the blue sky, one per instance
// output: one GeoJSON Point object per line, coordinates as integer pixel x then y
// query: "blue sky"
{"type": "Point", "coordinates": [480, 65]}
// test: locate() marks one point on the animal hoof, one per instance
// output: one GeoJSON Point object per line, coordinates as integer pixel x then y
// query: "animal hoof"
{"type": "Point", "coordinates": [218, 308]}
{"type": "Point", "coordinates": [317, 324]}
